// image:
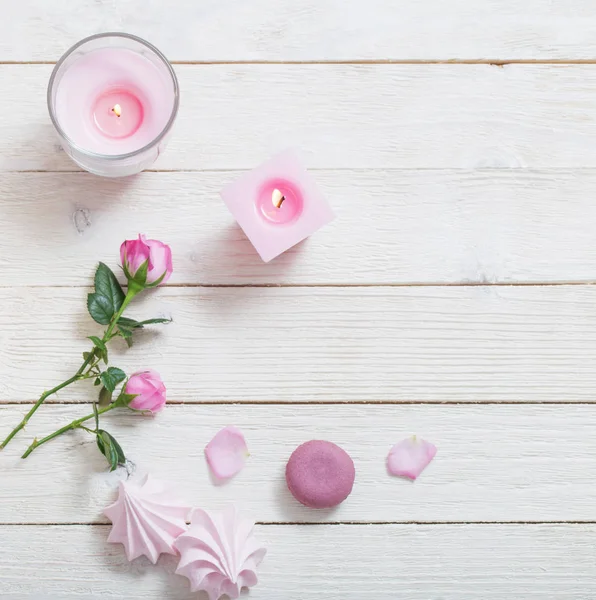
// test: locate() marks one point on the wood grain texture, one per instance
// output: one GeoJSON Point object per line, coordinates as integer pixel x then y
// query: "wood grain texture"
{"type": "Point", "coordinates": [494, 463]}
{"type": "Point", "coordinates": [393, 227]}
{"type": "Point", "coordinates": [309, 29]}
{"type": "Point", "coordinates": [468, 344]}
{"type": "Point", "coordinates": [351, 562]}
{"type": "Point", "coordinates": [440, 174]}
{"type": "Point", "coordinates": [343, 116]}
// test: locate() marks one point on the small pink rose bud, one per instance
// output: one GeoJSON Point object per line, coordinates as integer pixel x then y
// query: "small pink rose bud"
{"type": "Point", "coordinates": [149, 390]}
{"type": "Point", "coordinates": [158, 256]}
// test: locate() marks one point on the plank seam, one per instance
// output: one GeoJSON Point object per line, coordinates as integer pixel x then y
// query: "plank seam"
{"type": "Point", "coordinates": [585, 283]}
{"type": "Point", "coordinates": [482, 170]}
{"type": "Point", "coordinates": [496, 62]}
{"type": "Point", "coordinates": [474, 170]}
{"type": "Point", "coordinates": [333, 523]}
{"type": "Point", "coordinates": [174, 403]}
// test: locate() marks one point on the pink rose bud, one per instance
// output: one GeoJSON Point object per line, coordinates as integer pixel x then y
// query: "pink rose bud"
{"type": "Point", "coordinates": [158, 256]}
{"type": "Point", "coordinates": [149, 390]}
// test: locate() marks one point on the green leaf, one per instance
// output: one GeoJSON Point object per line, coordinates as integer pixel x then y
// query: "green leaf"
{"type": "Point", "coordinates": [121, 456]}
{"type": "Point", "coordinates": [101, 349]}
{"type": "Point", "coordinates": [107, 299]}
{"type": "Point", "coordinates": [100, 308]}
{"type": "Point", "coordinates": [111, 449]}
{"type": "Point", "coordinates": [132, 324]}
{"type": "Point", "coordinates": [86, 355]}
{"type": "Point", "coordinates": [100, 443]}
{"type": "Point", "coordinates": [126, 334]}
{"type": "Point", "coordinates": [104, 443]}
{"type": "Point", "coordinates": [107, 285]}
{"type": "Point", "coordinates": [112, 377]}
{"type": "Point", "coordinates": [98, 343]}
{"type": "Point", "coordinates": [105, 397]}
{"type": "Point", "coordinates": [154, 321]}
{"type": "Point", "coordinates": [97, 381]}
{"type": "Point", "coordinates": [127, 326]}
{"type": "Point", "coordinates": [128, 323]}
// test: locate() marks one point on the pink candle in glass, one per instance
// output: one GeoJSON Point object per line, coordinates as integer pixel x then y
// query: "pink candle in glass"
{"type": "Point", "coordinates": [278, 204]}
{"type": "Point", "coordinates": [113, 99]}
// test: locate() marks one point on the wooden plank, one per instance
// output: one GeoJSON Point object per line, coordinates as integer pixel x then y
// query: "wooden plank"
{"type": "Point", "coordinates": [494, 463]}
{"type": "Point", "coordinates": [310, 29]}
{"type": "Point", "coordinates": [393, 227]}
{"type": "Point", "coordinates": [468, 344]}
{"type": "Point", "coordinates": [348, 562]}
{"type": "Point", "coordinates": [344, 116]}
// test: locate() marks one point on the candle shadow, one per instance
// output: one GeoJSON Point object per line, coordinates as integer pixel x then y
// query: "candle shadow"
{"type": "Point", "coordinates": [36, 148]}
{"type": "Point", "coordinates": [54, 197]}
{"type": "Point", "coordinates": [229, 258]}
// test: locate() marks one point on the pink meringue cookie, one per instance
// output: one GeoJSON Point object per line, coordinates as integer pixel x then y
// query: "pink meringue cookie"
{"type": "Point", "coordinates": [320, 474]}
{"type": "Point", "coordinates": [146, 519]}
{"type": "Point", "coordinates": [219, 553]}
{"type": "Point", "coordinates": [227, 452]}
{"type": "Point", "coordinates": [410, 457]}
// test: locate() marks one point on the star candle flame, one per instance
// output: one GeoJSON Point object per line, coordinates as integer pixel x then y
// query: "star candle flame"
{"type": "Point", "coordinates": [277, 198]}
{"type": "Point", "coordinates": [117, 110]}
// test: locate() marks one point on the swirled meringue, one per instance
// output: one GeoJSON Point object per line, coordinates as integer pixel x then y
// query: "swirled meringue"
{"type": "Point", "coordinates": [219, 553]}
{"type": "Point", "coordinates": [147, 518]}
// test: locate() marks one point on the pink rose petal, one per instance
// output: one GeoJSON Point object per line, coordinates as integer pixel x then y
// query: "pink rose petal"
{"type": "Point", "coordinates": [226, 453]}
{"type": "Point", "coordinates": [410, 457]}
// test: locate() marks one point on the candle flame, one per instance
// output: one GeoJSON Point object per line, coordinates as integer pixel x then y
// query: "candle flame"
{"type": "Point", "coordinates": [117, 110]}
{"type": "Point", "coordinates": [277, 198]}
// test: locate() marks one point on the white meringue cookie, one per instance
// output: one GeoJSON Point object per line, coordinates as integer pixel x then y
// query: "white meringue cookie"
{"type": "Point", "coordinates": [146, 519]}
{"type": "Point", "coordinates": [219, 553]}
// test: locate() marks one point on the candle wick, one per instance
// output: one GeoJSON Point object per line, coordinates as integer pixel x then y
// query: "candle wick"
{"type": "Point", "coordinates": [117, 110]}
{"type": "Point", "coordinates": [277, 198]}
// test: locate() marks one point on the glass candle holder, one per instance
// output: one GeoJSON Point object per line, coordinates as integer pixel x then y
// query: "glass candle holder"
{"type": "Point", "coordinates": [113, 99]}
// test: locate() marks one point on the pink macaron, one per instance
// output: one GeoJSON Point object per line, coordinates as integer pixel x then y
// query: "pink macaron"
{"type": "Point", "coordinates": [320, 474]}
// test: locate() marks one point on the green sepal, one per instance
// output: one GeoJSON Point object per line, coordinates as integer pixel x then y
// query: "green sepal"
{"type": "Point", "coordinates": [156, 282]}
{"type": "Point", "coordinates": [125, 399]}
{"type": "Point", "coordinates": [140, 277]}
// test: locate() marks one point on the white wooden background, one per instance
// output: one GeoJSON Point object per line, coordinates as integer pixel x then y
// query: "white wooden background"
{"type": "Point", "coordinates": [451, 298]}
